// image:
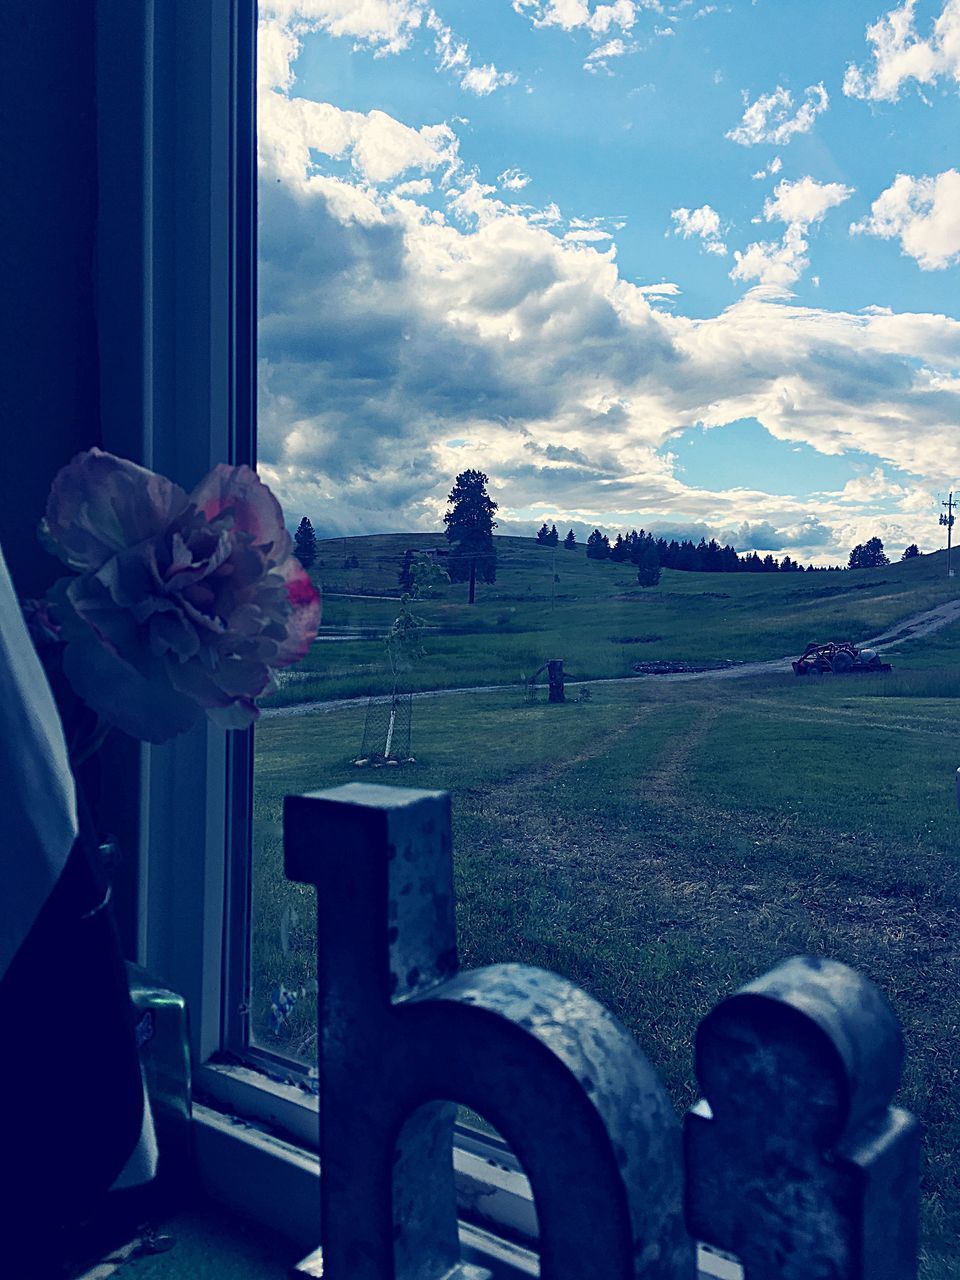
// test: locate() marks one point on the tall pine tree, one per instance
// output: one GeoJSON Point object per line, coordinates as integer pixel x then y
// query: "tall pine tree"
{"type": "Point", "coordinates": [305, 543]}
{"type": "Point", "coordinates": [470, 525]}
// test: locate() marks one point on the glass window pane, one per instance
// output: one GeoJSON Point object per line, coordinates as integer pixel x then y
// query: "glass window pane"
{"type": "Point", "coordinates": [675, 290]}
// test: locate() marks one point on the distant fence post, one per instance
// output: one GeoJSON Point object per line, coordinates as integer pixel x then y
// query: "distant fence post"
{"type": "Point", "coordinates": [555, 678]}
{"type": "Point", "coordinates": [795, 1161]}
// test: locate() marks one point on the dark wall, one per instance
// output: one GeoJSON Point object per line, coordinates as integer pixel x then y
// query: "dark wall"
{"type": "Point", "coordinates": [49, 380]}
{"type": "Point", "coordinates": [48, 202]}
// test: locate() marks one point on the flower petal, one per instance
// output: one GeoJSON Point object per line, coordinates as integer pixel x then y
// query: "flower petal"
{"type": "Point", "coordinates": [255, 510]}
{"type": "Point", "coordinates": [100, 504]}
{"type": "Point", "coordinates": [305, 612]}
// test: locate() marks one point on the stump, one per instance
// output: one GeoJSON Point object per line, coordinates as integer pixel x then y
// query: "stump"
{"type": "Point", "coordinates": [555, 678]}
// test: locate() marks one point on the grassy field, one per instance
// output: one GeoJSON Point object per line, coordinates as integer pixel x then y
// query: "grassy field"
{"type": "Point", "coordinates": [596, 617]}
{"type": "Point", "coordinates": [662, 843]}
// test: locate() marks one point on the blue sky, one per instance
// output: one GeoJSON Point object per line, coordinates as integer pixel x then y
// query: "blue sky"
{"type": "Point", "coordinates": [680, 265]}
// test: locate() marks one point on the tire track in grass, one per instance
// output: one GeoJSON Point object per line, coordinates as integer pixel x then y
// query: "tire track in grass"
{"type": "Point", "coordinates": [667, 905]}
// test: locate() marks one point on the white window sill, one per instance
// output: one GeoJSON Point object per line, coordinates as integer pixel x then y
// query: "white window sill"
{"type": "Point", "coordinates": [276, 1180]}
{"type": "Point", "coordinates": [277, 1184]}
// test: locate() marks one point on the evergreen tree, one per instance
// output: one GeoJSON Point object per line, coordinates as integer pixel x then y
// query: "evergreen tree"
{"type": "Point", "coordinates": [710, 556]}
{"type": "Point", "coordinates": [543, 534]}
{"type": "Point", "coordinates": [619, 550]}
{"type": "Point", "coordinates": [305, 543]}
{"type": "Point", "coordinates": [570, 541]}
{"type": "Point", "coordinates": [553, 537]}
{"type": "Point", "coordinates": [470, 525]}
{"type": "Point", "coordinates": [769, 563]}
{"type": "Point", "coordinates": [729, 560]}
{"type": "Point", "coordinates": [598, 546]}
{"type": "Point", "coordinates": [689, 557]}
{"type": "Point", "coordinates": [648, 564]}
{"type": "Point", "coordinates": [787, 565]}
{"type": "Point", "coordinates": [911, 552]}
{"type": "Point", "coordinates": [855, 558]}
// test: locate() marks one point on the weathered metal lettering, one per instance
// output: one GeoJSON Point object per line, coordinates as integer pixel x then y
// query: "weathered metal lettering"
{"type": "Point", "coordinates": [795, 1161]}
{"type": "Point", "coordinates": [404, 1036]}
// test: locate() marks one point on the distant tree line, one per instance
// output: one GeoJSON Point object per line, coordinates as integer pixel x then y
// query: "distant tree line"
{"type": "Point", "coordinates": [685, 555]}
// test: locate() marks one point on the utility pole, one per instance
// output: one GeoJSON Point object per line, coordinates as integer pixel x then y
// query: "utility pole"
{"type": "Point", "coordinates": [948, 520]}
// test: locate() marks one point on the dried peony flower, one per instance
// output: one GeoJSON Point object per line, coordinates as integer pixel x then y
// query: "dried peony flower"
{"type": "Point", "coordinates": [183, 604]}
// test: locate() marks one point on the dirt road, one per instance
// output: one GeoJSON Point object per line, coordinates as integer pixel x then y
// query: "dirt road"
{"type": "Point", "coordinates": [914, 628]}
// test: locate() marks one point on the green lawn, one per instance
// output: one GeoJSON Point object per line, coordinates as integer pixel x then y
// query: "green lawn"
{"type": "Point", "coordinates": [596, 617]}
{"type": "Point", "coordinates": [662, 843]}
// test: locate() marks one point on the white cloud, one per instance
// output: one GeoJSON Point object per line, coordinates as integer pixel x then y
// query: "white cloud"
{"type": "Point", "coordinates": [586, 236]}
{"type": "Point", "coordinates": [277, 50]}
{"type": "Point", "coordinates": [453, 55]}
{"type": "Point", "coordinates": [901, 55]}
{"type": "Point", "coordinates": [667, 289]}
{"type": "Point", "coordinates": [865, 489]}
{"type": "Point", "coordinates": [386, 26]}
{"type": "Point", "coordinates": [598, 59]}
{"type": "Point", "coordinates": [291, 131]}
{"type": "Point", "coordinates": [775, 165]}
{"type": "Point", "coordinates": [923, 213]}
{"type": "Point", "coordinates": [512, 179]}
{"type": "Point", "coordinates": [415, 187]}
{"type": "Point", "coordinates": [800, 204]}
{"type": "Point", "coordinates": [571, 14]}
{"type": "Point", "coordinates": [777, 263]}
{"type": "Point", "coordinates": [389, 331]}
{"type": "Point", "coordinates": [485, 79]}
{"type": "Point", "coordinates": [379, 147]}
{"type": "Point", "coordinates": [772, 117]}
{"type": "Point", "coordinates": [704, 223]}
{"type": "Point", "coordinates": [805, 201]}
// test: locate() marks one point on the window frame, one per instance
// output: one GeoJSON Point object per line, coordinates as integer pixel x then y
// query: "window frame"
{"type": "Point", "coordinates": [176, 288]}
